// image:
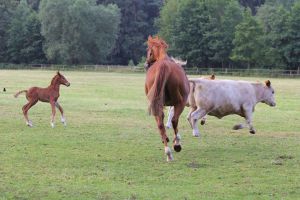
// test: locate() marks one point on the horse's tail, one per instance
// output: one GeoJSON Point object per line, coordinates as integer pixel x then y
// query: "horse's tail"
{"type": "Point", "coordinates": [18, 93]}
{"type": "Point", "coordinates": [156, 94]}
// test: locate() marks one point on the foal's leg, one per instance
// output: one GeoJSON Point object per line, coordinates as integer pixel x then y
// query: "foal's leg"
{"type": "Point", "coordinates": [170, 116]}
{"type": "Point", "coordinates": [25, 109]}
{"type": "Point", "coordinates": [177, 111]}
{"type": "Point", "coordinates": [63, 120]}
{"type": "Point", "coordinates": [165, 139]}
{"type": "Point", "coordinates": [52, 103]}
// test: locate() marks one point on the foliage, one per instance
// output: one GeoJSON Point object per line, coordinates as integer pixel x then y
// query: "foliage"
{"type": "Point", "coordinates": [24, 44]}
{"type": "Point", "coordinates": [137, 23]}
{"type": "Point", "coordinates": [78, 32]}
{"type": "Point", "coordinates": [247, 41]}
{"type": "Point", "coordinates": [200, 31]}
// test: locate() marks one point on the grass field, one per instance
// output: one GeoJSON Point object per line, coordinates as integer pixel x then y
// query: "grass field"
{"type": "Point", "coordinates": [111, 148]}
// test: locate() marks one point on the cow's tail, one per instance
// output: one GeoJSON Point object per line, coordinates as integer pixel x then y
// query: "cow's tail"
{"type": "Point", "coordinates": [156, 94]}
{"type": "Point", "coordinates": [18, 93]}
{"type": "Point", "coordinates": [191, 98]}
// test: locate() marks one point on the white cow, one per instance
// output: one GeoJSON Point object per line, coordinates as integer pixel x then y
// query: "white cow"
{"type": "Point", "coordinates": [224, 97]}
{"type": "Point", "coordinates": [171, 109]}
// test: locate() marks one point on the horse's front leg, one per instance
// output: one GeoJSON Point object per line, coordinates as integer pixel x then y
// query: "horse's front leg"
{"type": "Point", "coordinates": [63, 119]}
{"type": "Point", "coordinates": [170, 116]}
{"type": "Point", "coordinates": [164, 137]}
{"type": "Point", "coordinates": [52, 103]}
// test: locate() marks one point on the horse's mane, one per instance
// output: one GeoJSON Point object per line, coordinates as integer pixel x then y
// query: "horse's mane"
{"type": "Point", "coordinates": [156, 41]}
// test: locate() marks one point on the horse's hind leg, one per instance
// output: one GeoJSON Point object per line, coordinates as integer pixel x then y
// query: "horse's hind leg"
{"type": "Point", "coordinates": [25, 109]}
{"type": "Point", "coordinates": [177, 111]}
{"type": "Point", "coordinates": [63, 120]}
{"type": "Point", "coordinates": [165, 139]}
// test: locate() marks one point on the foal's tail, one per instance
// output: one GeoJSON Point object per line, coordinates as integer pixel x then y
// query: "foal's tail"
{"type": "Point", "coordinates": [156, 94]}
{"type": "Point", "coordinates": [18, 93]}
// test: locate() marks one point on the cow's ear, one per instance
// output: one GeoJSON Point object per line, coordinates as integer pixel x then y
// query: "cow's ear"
{"type": "Point", "coordinates": [268, 83]}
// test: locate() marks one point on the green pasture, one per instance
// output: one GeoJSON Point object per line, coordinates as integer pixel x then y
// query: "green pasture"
{"type": "Point", "coordinates": [111, 148]}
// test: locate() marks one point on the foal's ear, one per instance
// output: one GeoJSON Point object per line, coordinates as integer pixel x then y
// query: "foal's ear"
{"type": "Point", "coordinates": [268, 83]}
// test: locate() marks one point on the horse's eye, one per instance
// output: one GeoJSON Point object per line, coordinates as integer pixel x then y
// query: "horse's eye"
{"type": "Point", "coordinates": [273, 92]}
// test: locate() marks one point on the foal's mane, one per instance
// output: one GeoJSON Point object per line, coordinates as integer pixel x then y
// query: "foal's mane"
{"type": "Point", "coordinates": [54, 79]}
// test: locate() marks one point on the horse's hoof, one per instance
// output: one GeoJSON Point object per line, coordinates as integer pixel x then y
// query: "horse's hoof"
{"type": "Point", "coordinates": [202, 122]}
{"type": "Point", "coordinates": [177, 148]}
{"type": "Point", "coordinates": [29, 124]}
{"type": "Point", "coordinates": [52, 125]}
{"type": "Point", "coordinates": [252, 131]}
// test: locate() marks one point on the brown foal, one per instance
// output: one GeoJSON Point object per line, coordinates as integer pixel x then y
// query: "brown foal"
{"type": "Point", "coordinates": [49, 94]}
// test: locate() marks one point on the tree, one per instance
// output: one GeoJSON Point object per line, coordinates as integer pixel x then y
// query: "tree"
{"type": "Point", "coordinates": [275, 28]}
{"type": "Point", "coordinates": [78, 32]}
{"type": "Point", "coordinates": [137, 23]}
{"type": "Point", "coordinates": [6, 11]}
{"type": "Point", "coordinates": [292, 49]}
{"type": "Point", "coordinates": [24, 43]}
{"type": "Point", "coordinates": [247, 42]}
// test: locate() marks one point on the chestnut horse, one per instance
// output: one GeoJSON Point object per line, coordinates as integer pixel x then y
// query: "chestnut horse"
{"type": "Point", "coordinates": [49, 94]}
{"type": "Point", "coordinates": [166, 85]}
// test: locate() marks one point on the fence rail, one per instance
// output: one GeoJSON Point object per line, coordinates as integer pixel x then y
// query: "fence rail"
{"type": "Point", "coordinates": [191, 71]}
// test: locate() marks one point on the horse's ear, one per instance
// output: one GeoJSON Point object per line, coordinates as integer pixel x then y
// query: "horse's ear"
{"type": "Point", "coordinates": [149, 37]}
{"type": "Point", "coordinates": [58, 73]}
{"type": "Point", "coordinates": [268, 83]}
{"type": "Point", "coordinates": [212, 77]}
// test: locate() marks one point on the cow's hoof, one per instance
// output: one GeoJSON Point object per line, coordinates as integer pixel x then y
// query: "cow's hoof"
{"type": "Point", "coordinates": [237, 127]}
{"type": "Point", "coordinates": [177, 148]}
{"type": "Point", "coordinates": [202, 122]}
{"type": "Point", "coordinates": [252, 131]}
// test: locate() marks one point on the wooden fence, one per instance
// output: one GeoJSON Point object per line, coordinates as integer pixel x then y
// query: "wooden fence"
{"type": "Point", "coordinates": [194, 71]}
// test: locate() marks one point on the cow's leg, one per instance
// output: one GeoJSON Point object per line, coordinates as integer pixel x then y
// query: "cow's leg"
{"type": "Point", "coordinates": [248, 116]}
{"type": "Point", "coordinates": [177, 111]}
{"type": "Point", "coordinates": [165, 139]}
{"type": "Point", "coordinates": [63, 119]}
{"type": "Point", "coordinates": [192, 109]}
{"type": "Point", "coordinates": [170, 116]}
{"type": "Point", "coordinates": [195, 116]}
{"type": "Point", "coordinates": [52, 103]}
{"type": "Point", "coordinates": [203, 120]}
{"type": "Point", "coordinates": [26, 108]}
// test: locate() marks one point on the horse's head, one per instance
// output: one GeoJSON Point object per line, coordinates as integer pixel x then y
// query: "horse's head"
{"type": "Point", "coordinates": [156, 50]}
{"type": "Point", "coordinates": [62, 80]}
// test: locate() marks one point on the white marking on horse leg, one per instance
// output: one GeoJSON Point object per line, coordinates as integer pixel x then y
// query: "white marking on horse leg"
{"type": "Point", "coordinates": [63, 120]}
{"type": "Point", "coordinates": [168, 152]}
{"type": "Point", "coordinates": [52, 124]}
{"type": "Point", "coordinates": [170, 117]}
{"type": "Point", "coordinates": [29, 123]}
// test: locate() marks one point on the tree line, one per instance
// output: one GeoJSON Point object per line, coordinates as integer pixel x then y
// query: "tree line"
{"type": "Point", "coordinates": [215, 33]}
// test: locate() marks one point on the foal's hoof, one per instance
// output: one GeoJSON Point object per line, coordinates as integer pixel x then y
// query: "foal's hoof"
{"type": "Point", "coordinates": [177, 148]}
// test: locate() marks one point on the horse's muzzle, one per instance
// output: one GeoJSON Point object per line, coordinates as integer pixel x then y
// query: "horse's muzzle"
{"type": "Point", "coordinates": [67, 84]}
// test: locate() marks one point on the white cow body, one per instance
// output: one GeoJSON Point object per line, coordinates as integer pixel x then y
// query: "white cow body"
{"type": "Point", "coordinates": [220, 98]}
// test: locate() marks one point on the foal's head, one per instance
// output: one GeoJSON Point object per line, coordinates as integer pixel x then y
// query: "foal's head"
{"type": "Point", "coordinates": [60, 79]}
{"type": "Point", "coordinates": [156, 49]}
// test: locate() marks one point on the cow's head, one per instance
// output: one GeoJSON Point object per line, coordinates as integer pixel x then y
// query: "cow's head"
{"type": "Point", "coordinates": [268, 95]}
